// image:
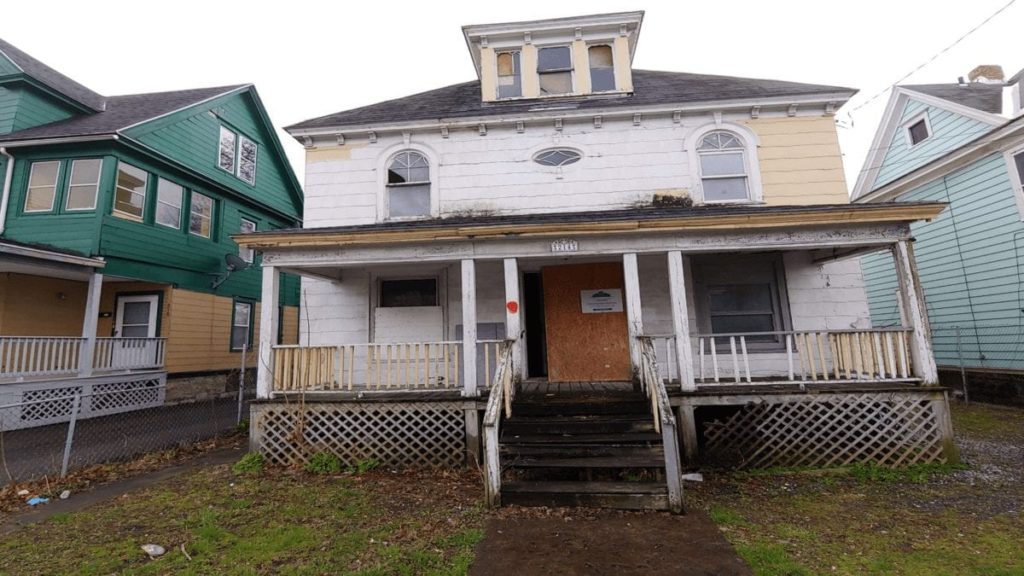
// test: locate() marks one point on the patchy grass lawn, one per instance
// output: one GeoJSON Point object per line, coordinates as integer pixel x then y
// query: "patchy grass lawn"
{"type": "Point", "coordinates": [217, 522]}
{"type": "Point", "coordinates": [931, 520]}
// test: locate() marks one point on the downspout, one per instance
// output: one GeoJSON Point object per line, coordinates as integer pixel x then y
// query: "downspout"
{"type": "Point", "coordinates": [9, 172]}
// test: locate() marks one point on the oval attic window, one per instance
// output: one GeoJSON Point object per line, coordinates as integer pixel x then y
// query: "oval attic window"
{"type": "Point", "coordinates": [557, 157]}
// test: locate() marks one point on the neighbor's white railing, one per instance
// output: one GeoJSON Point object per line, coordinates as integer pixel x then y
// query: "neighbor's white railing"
{"type": "Point", "coordinates": [115, 354]}
{"type": "Point", "coordinates": [47, 356]}
{"type": "Point", "coordinates": [878, 354]}
{"type": "Point", "coordinates": [28, 356]}
{"type": "Point", "coordinates": [499, 401]}
{"type": "Point", "coordinates": [374, 366]}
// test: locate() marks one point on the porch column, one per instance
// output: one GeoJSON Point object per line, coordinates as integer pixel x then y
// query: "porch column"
{"type": "Point", "coordinates": [513, 317]}
{"type": "Point", "coordinates": [680, 318]}
{"type": "Point", "coordinates": [92, 315]}
{"type": "Point", "coordinates": [268, 331]}
{"type": "Point", "coordinates": [634, 311]}
{"type": "Point", "coordinates": [912, 297]}
{"type": "Point", "coordinates": [469, 328]}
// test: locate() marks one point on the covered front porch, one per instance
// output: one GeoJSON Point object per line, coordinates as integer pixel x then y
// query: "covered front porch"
{"type": "Point", "coordinates": [691, 310]}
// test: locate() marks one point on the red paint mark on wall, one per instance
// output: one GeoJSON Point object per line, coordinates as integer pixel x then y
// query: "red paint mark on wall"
{"type": "Point", "coordinates": [512, 306]}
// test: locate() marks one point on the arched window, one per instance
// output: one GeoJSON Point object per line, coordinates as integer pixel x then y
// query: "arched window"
{"type": "Point", "coordinates": [408, 187]}
{"type": "Point", "coordinates": [723, 167]}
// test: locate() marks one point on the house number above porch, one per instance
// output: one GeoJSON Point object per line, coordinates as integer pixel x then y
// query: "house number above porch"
{"type": "Point", "coordinates": [565, 245]}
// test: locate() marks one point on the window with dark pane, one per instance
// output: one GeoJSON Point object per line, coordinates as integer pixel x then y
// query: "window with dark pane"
{"type": "Point", "coordinates": [743, 309]}
{"type": "Point", "coordinates": [406, 293]}
{"type": "Point", "coordinates": [510, 84]}
{"type": "Point", "coordinates": [408, 186]}
{"type": "Point", "coordinates": [554, 67]}
{"type": "Point", "coordinates": [723, 167]}
{"type": "Point", "coordinates": [1018, 160]}
{"type": "Point", "coordinates": [918, 131]}
{"type": "Point", "coordinates": [602, 70]}
{"type": "Point", "coordinates": [241, 325]}
{"type": "Point", "coordinates": [557, 157]}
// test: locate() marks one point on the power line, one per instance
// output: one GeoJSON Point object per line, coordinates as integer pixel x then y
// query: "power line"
{"type": "Point", "coordinates": [934, 56]}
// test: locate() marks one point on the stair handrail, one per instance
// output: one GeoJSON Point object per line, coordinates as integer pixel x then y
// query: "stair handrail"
{"type": "Point", "coordinates": [664, 420]}
{"type": "Point", "coordinates": [498, 401]}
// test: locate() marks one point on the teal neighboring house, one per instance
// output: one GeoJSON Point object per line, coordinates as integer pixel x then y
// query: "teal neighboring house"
{"type": "Point", "coordinates": [116, 222]}
{"type": "Point", "coordinates": [962, 144]}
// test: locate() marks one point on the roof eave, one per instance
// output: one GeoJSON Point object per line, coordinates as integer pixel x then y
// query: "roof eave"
{"type": "Point", "coordinates": [837, 98]}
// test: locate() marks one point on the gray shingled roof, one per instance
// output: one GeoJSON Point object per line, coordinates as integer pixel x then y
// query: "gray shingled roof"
{"type": "Point", "coordinates": [649, 88]}
{"type": "Point", "coordinates": [121, 112]}
{"type": "Point", "coordinates": [984, 97]}
{"type": "Point", "coordinates": [50, 77]}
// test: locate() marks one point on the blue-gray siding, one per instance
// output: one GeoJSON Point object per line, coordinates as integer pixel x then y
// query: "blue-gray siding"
{"type": "Point", "coordinates": [971, 261]}
{"type": "Point", "coordinates": [948, 131]}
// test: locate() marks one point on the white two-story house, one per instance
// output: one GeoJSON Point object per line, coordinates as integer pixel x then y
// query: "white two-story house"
{"type": "Point", "coordinates": [566, 227]}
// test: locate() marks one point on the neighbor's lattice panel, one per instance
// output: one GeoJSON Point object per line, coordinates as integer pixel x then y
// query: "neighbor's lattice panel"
{"type": "Point", "coordinates": [829, 430]}
{"type": "Point", "coordinates": [394, 434]}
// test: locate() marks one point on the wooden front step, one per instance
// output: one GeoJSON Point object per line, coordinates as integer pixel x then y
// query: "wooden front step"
{"type": "Point", "coordinates": [621, 495]}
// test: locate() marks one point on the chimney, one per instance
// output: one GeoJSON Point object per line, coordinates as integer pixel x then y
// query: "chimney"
{"type": "Point", "coordinates": [987, 74]}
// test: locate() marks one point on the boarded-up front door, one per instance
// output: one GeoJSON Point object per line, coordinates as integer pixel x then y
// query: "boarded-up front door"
{"type": "Point", "coordinates": [585, 346]}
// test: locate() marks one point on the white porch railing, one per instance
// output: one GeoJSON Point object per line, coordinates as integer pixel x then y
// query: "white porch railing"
{"type": "Point", "coordinates": [499, 402]}
{"type": "Point", "coordinates": [25, 357]}
{"type": "Point", "coordinates": [876, 354]}
{"type": "Point", "coordinates": [664, 421]}
{"type": "Point", "coordinates": [114, 354]}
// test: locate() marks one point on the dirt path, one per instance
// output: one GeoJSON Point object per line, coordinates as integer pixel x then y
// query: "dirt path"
{"type": "Point", "coordinates": [596, 543]}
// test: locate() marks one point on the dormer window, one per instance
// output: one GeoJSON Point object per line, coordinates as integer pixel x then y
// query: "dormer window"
{"type": "Point", "coordinates": [510, 78]}
{"type": "Point", "coordinates": [602, 68]}
{"type": "Point", "coordinates": [917, 129]}
{"type": "Point", "coordinates": [554, 67]}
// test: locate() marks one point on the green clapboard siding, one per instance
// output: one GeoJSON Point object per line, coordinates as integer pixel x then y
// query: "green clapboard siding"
{"type": "Point", "coordinates": [36, 109]}
{"type": "Point", "coordinates": [7, 67]}
{"type": "Point", "coordinates": [192, 137]}
{"type": "Point", "coordinates": [8, 108]}
{"type": "Point", "coordinates": [971, 264]}
{"type": "Point", "coordinates": [948, 131]}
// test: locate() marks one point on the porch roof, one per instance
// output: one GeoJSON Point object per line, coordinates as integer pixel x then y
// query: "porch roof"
{"type": "Point", "coordinates": [631, 220]}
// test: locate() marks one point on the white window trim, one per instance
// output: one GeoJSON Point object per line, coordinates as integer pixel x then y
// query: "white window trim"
{"type": "Point", "coordinates": [905, 128]}
{"type": "Point", "coordinates": [28, 186]}
{"type": "Point", "coordinates": [497, 88]}
{"type": "Point", "coordinates": [382, 180]}
{"type": "Point", "coordinates": [71, 179]}
{"type": "Point", "coordinates": [1015, 178]}
{"type": "Point", "coordinates": [238, 158]}
{"type": "Point", "coordinates": [234, 155]}
{"type": "Point", "coordinates": [615, 66]}
{"type": "Point", "coordinates": [180, 207]}
{"type": "Point", "coordinates": [234, 324]}
{"type": "Point", "coordinates": [755, 194]}
{"type": "Point", "coordinates": [441, 277]}
{"type": "Point", "coordinates": [213, 212]}
{"type": "Point", "coordinates": [572, 69]}
{"type": "Point", "coordinates": [251, 252]}
{"type": "Point", "coordinates": [145, 195]}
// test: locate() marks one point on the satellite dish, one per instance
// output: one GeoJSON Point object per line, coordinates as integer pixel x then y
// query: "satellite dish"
{"type": "Point", "coordinates": [232, 263]}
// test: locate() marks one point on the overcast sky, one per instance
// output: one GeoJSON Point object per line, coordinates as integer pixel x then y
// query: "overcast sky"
{"type": "Point", "coordinates": [312, 58]}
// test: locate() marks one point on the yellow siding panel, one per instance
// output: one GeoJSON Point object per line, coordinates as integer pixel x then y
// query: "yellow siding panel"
{"type": "Point", "coordinates": [38, 306]}
{"type": "Point", "coordinates": [290, 325]}
{"type": "Point", "coordinates": [199, 337]}
{"type": "Point", "coordinates": [800, 160]}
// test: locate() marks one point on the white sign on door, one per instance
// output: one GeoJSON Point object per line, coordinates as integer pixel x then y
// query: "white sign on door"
{"type": "Point", "coordinates": [601, 301]}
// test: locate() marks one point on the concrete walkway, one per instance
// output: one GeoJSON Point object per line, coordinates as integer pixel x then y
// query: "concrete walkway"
{"type": "Point", "coordinates": [607, 543]}
{"type": "Point", "coordinates": [104, 492]}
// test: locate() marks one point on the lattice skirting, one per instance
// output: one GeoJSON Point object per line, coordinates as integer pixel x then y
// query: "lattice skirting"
{"type": "Point", "coordinates": [31, 404]}
{"type": "Point", "coordinates": [825, 430]}
{"type": "Point", "coordinates": [401, 434]}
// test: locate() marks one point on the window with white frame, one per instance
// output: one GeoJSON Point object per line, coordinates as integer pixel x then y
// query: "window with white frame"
{"type": "Point", "coordinates": [1015, 170]}
{"type": "Point", "coordinates": [241, 325]}
{"type": "Point", "coordinates": [84, 184]}
{"type": "Point", "coordinates": [226, 150]}
{"type": "Point", "coordinates": [247, 160]}
{"type": "Point", "coordinates": [602, 68]}
{"type": "Point", "coordinates": [130, 192]}
{"type": "Point", "coordinates": [247, 226]}
{"type": "Point", "coordinates": [1018, 164]}
{"type": "Point", "coordinates": [42, 186]}
{"type": "Point", "coordinates": [200, 221]}
{"type": "Point", "coordinates": [408, 185]}
{"type": "Point", "coordinates": [168, 203]}
{"type": "Point", "coordinates": [510, 78]}
{"type": "Point", "coordinates": [723, 167]}
{"type": "Point", "coordinates": [554, 69]}
{"type": "Point", "coordinates": [917, 129]}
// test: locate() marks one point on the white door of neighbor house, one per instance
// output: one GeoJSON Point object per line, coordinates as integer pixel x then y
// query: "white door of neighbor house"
{"type": "Point", "coordinates": [136, 317]}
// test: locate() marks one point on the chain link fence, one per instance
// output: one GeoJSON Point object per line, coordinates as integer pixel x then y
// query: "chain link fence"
{"type": "Point", "coordinates": [985, 361]}
{"type": "Point", "coordinates": [57, 449]}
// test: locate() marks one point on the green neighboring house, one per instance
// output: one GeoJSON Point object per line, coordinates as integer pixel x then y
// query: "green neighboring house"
{"type": "Point", "coordinates": [117, 215]}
